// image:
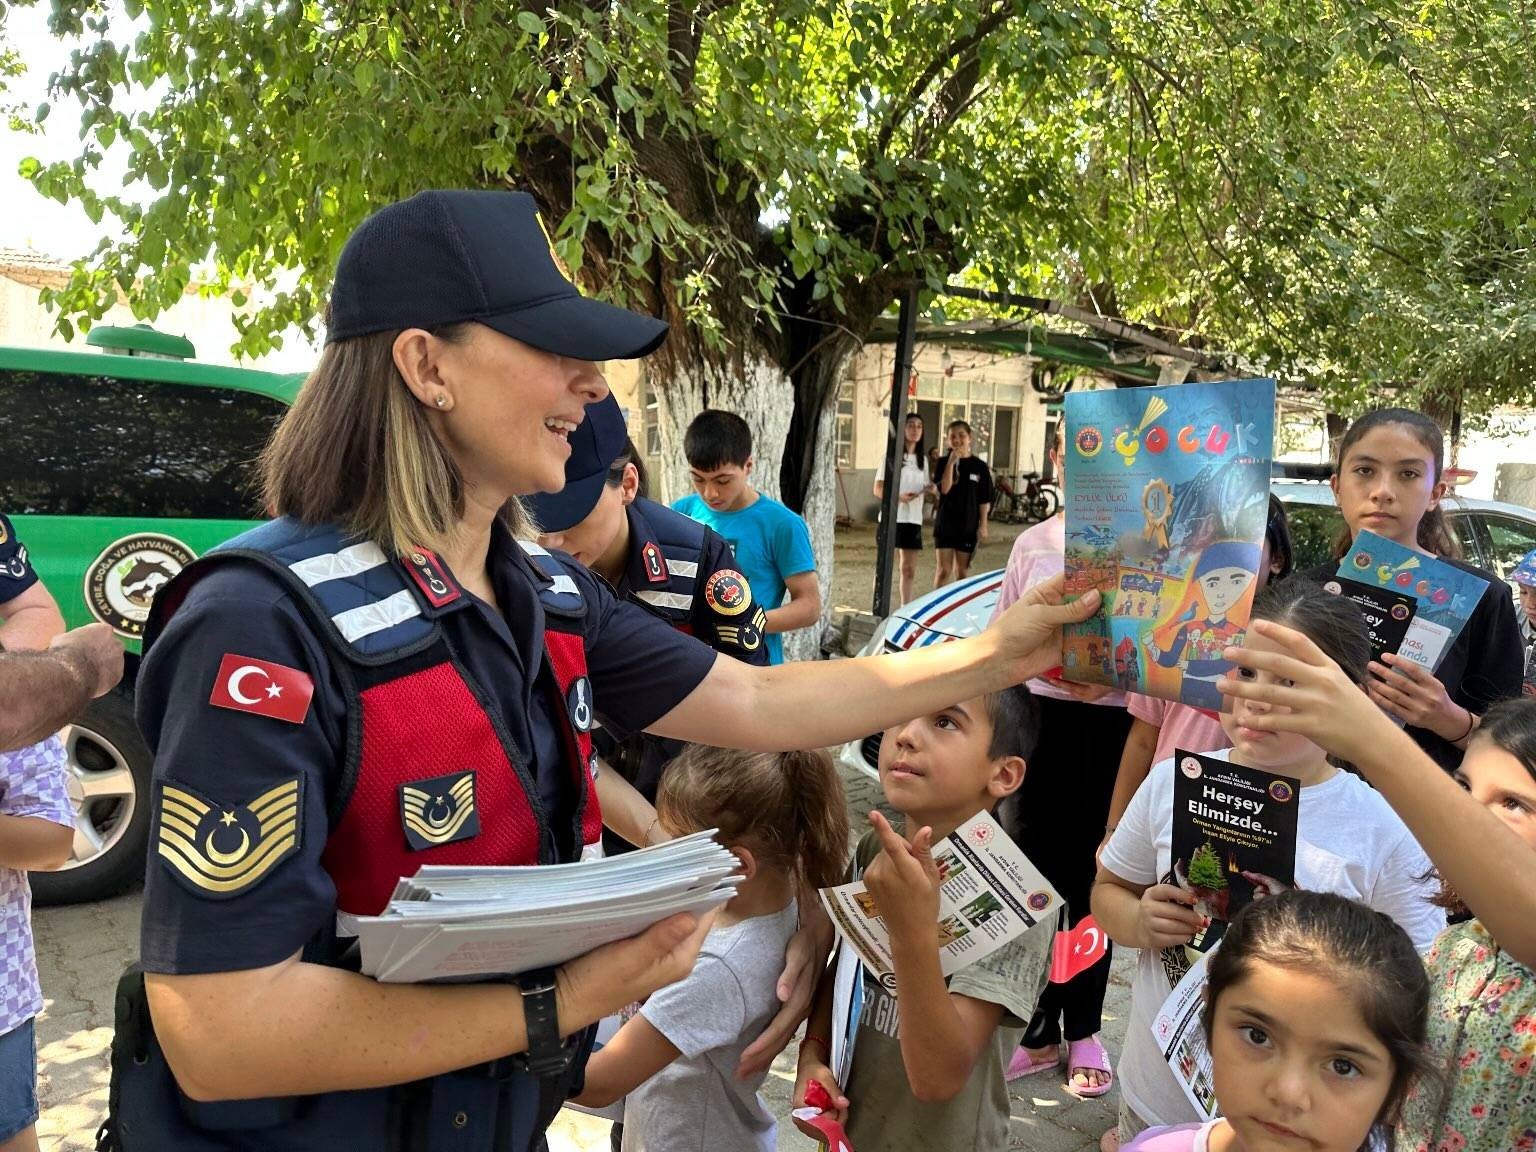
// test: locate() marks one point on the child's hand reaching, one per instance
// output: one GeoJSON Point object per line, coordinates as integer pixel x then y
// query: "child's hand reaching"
{"type": "Point", "coordinates": [1307, 693]}
{"type": "Point", "coordinates": [904, 882]}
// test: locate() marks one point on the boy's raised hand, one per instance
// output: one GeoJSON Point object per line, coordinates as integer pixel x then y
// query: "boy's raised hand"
{"type": "Point", "coordinates": [904, 881]}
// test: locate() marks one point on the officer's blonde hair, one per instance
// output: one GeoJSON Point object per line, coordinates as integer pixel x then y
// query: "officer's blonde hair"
{"type": "Point", "coordinates": [356, 449]}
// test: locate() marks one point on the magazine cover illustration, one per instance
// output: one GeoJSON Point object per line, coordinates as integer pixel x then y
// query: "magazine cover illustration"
{"type": "Point", "coordinates": [1445, 595]}
{"type": "Point", "coordinates": [1234, 837]}
{"type": "Point", "coordinates": [1167, 495]}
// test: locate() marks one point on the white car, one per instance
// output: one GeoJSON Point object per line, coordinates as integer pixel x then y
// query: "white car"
{"type": "Point", "coordinates": [1493, 535]}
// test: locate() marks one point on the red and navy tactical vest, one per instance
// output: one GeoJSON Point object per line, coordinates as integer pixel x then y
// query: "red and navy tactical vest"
{"type": "Point", "coordinates": [414, 711]}
{"type": "Point", "coordinates": [406, 690]}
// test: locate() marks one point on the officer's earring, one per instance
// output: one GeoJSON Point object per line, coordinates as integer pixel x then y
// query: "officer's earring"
{"type": "Point", "coordinates": [441, 401]}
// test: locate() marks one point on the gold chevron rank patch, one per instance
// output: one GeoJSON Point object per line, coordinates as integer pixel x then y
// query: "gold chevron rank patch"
{"type": "Point", "coordinates": [439, 811]}
{"type": "Point", "coordinates": [221, 850]}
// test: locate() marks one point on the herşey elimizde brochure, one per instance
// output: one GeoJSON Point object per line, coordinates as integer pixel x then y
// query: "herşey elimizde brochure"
{"type": "Point", "coordinates": [1234, 836]}
{"type": "Point", "coordinates": [1387, 614]}
{"type": "Point", "coordinates": [1167, 496]}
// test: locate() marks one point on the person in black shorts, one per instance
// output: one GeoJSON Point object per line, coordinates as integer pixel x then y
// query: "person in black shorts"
{"type": "Point", "coordinates": [965, 502]}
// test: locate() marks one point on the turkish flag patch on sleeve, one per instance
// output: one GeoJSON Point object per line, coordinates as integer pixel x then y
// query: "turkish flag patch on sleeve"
{"type": "Point", "coordinates": [245, 684]}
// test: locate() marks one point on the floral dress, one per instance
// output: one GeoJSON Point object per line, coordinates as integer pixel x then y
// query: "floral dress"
{"type": "Point", "coordinates": [1482, 1015]}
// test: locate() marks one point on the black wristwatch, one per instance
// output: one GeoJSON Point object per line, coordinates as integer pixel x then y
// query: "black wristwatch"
{"type": "Point", "coordinates": [547, 1054]}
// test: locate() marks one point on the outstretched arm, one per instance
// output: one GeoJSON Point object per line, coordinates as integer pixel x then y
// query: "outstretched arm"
{"type": "Point", "coordinates": [1491, 868]}
{"type": "Point", "coordinates": [812, 704]}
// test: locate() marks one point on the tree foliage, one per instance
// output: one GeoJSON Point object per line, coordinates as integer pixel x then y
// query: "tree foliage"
{"type": "Point", "coordinates": [1333, 188]}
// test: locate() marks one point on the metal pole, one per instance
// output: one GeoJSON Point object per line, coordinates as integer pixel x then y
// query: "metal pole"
{"type": "Point", "coordinates": [906, 336]}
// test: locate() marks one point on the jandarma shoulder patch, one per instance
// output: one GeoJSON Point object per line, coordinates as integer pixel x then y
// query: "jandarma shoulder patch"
{"type": "Point", "coordinates": [221, 850]}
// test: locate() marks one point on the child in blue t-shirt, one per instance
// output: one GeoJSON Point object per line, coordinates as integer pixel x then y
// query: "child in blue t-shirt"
{"type": "Point", "coordinates": [772, 545]}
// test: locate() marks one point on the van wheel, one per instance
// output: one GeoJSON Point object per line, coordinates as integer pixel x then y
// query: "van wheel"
{"type": "Point", "coordinates": [109, 770]}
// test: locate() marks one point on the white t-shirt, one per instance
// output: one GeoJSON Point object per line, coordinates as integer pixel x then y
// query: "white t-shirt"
{"type": "Point", "coordinates": [913, 478]}
{"type": "Point", "coordinates": [1348, 841]}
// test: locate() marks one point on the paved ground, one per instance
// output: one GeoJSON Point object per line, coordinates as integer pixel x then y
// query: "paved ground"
{"type": "Point", "coordinates": [853, 572]}
{"type": "Point", "coordinates": [83, 949]}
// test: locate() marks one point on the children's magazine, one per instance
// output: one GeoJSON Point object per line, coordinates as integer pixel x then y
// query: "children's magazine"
{"type": "Point", "coordinates": [1167, 496]}
{"type": "Point", "coordinates": [1445, 595]}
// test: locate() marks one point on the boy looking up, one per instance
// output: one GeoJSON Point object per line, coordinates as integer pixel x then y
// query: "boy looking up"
{"type": "Point", "coordinates": [772, 545]}
{"type": "Point", "coordinates": [932, 1075]}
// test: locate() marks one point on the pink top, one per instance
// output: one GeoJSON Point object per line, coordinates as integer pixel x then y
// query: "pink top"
{"type": "Point", "coordinates": [1178, 725]}
{"type": "Point", "coordinates": [1039, 554]}
{"type": "Point", "coordinates": [1183, 1138]}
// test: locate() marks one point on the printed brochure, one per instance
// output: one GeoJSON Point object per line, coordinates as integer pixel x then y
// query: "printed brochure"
{"type": "Point", "coordinates": [1167, 496]}
{"type": "Point", "coordinates": [1388, 614]}
{"type": "Point", "coordinates": [1445, 595]}
{"type": "Point", "coordinates": [1182, 1040]}
{"type": "Point", "coordinates": [1234, 836]}
{"type": "Point", "coordinates": [451, 923]}
{"type": "Point", "coordinates": [989, 894]}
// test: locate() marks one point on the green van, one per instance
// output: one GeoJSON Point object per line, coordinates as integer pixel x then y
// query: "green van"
{"type": "Point", "coordinates": [121, 466]}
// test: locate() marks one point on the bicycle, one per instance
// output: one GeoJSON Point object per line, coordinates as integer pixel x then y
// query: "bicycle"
{"type": "Point", "coordinates": [1036, 501]}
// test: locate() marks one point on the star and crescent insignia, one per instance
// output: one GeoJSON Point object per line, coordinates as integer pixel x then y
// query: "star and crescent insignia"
{"type": "Point", "coordinates": [439, 811]}
{"type": "Point", "coordinates": [221, 850]}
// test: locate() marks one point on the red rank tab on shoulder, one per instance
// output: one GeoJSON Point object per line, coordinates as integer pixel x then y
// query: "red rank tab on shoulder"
{"type": "Point", "coordinates": [245, 684]}
{"type": "Point", "coordinates": [432, 578]}
{"type": "Point", "coordinates": [655, 565]}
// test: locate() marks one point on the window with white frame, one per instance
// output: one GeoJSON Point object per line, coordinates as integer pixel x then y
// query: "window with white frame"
{"type": "Point", "coordinates": [844, 431]}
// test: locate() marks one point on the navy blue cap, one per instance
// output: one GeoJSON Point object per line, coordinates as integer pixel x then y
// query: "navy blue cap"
{"type": "Point", "coordinates": [447, 257]}
{"type": "Point", "coordinates": [595, 445]}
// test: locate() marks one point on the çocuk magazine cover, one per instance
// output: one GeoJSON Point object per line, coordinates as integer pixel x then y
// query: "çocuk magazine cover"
{"type": "Point", "coordinates": [1167, 494]}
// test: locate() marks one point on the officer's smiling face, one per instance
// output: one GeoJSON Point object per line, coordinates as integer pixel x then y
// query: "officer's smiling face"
{"type": "Point", "coordinates": [512, 409]}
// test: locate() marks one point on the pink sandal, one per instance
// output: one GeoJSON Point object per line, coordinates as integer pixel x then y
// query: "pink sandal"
{"type": "Point", "coordinates": [1023, 1064]}
{"type": "Point", "coordinates": [1089, 1054]}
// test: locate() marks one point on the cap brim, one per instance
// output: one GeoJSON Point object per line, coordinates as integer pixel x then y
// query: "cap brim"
{"type": "Point", "coordinates": [563, 510]}
{"type": "Point", "coordinates": [582, 328]}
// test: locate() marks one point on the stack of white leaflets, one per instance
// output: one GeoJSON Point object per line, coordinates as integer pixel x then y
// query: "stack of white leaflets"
{"type": "Point", "coordinates": [448, 923]}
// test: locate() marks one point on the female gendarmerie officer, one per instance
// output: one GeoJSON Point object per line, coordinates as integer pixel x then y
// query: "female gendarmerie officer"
{"type": "Point", "coordinates": [318, 693]}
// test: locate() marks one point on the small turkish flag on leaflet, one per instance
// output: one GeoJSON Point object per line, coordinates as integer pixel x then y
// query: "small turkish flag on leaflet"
{"type": "Point", "coordinates": [1077, 950]}
{"type": "Point", "coordinates": [246, 684]}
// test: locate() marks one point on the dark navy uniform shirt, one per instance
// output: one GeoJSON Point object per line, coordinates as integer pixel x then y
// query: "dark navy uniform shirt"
{"type": "Point", "coordinates": [16, 574]}
{"type": "Point", "coordinates": [708, 591]}
{"type": "Point", "coordinates": [640, 668]}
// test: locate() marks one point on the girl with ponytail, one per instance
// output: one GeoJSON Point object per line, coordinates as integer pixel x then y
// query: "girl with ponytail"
{"type": "Point", "coordinates": [785, 817]}
{"type": "Point", "coordinates": [1389, 480]}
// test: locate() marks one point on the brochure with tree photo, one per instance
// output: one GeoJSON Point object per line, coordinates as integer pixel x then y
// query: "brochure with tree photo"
{"type": "Point", "coordinates": [989, 894]}
{"type": "Point", "coordinates": [1234, 836]}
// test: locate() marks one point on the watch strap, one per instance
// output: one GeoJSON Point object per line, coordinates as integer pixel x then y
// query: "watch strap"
{"type": "Point", "coordinates": [547, 1053]}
